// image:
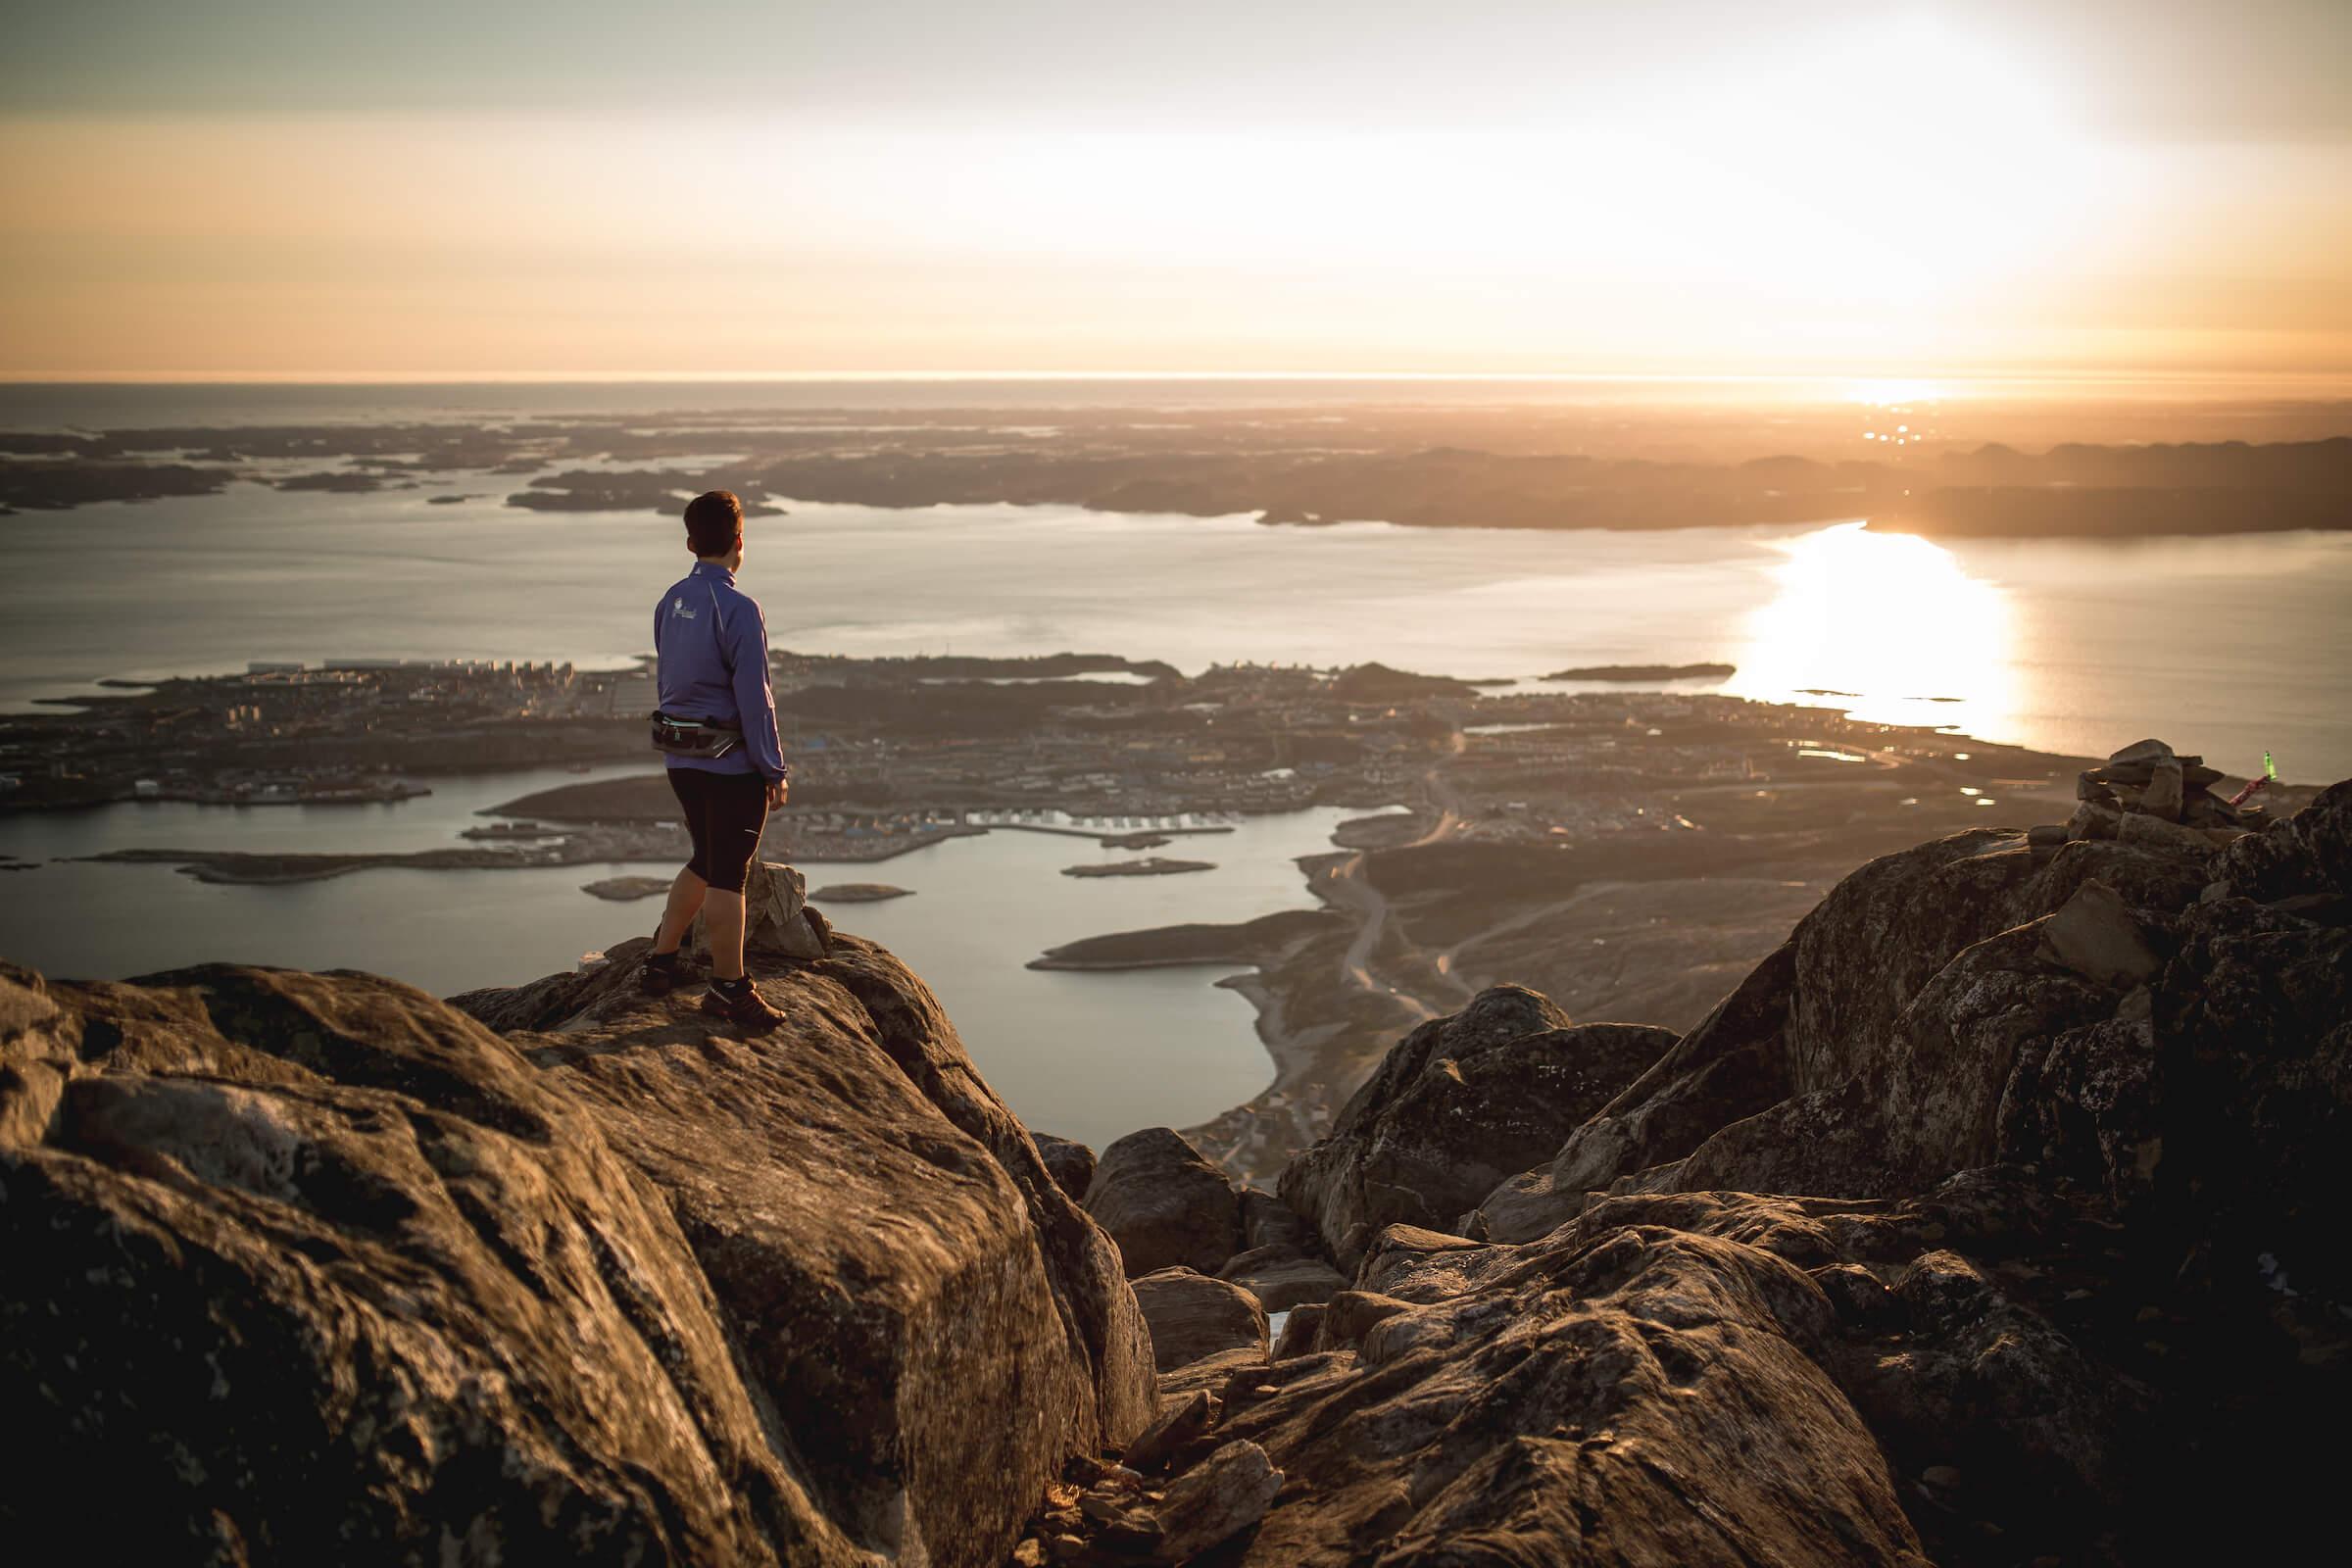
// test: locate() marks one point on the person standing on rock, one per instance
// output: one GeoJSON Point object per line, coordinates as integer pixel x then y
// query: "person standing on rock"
{"type": "Point", "coordinates": [718, 727]}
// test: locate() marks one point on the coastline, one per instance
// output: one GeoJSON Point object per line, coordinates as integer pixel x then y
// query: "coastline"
{"type": "Point", "coordinates": [1526, 837]}
{"type": "Point", "coordinates": [255, 868]}
{"type": "Point", "coordinates": [1624, 920]}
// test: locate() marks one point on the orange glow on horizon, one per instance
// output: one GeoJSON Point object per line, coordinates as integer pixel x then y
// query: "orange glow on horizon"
{"type": "Point", "coordinates": [1903, 201]}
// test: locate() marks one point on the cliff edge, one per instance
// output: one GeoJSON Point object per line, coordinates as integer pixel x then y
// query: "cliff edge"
{"type": "Point", "coordinates": [317, 1268]}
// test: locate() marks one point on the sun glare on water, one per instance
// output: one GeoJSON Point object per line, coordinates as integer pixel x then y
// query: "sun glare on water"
{"type": "Point", "coordinates": [1894, 394]}
{"type": "Point", "coordinates": [1889, 625]}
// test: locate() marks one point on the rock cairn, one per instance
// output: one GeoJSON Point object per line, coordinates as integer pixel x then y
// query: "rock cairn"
{"type": "Point", "coordinates": [2150, 795]}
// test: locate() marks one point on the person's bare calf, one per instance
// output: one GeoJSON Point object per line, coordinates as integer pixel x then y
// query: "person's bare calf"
{"type": "Point", "coordinates": [685, 903]}
{"type": "Point", "coordinates": [722, 923]}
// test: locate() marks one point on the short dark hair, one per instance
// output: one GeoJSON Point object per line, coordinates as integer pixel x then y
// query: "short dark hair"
{"type": "Point", "coordinates": [713, 523]}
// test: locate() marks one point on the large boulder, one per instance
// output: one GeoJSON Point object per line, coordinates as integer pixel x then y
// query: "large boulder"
{"type": "Point", "coordinates": [1602, 1397]}
{"type": "Point", "coordinates": [1283, 1277]}
{"type": "Point", "coordinates": [777, 920]}
{"type": "Point", "coordinates": [1204, 1332]}
{"type": "Point", "coordinates": [1461, 1104]}
{"type": "Point", "coordinates": [1194, 1317]}
{"type": "Point", "coordinates": [1164, 1205]}
{"type": "Point", "coordinates": [1817, 1033]}
{"type": "Point", "coordinates": [852, 1183]}
{"type": "Point", "coordinates": [1929, 1102]}
{"type": "Point", "coordinates": [2192, 1060]}
{"type": "Point", "coordinates": [1268, 1221]}
{"type": "Point", "coordinates": [355, 1279]}
{"type": "Point", "coordinates": [1976, 1376]}
{"type": "Point", "coordinates": [1069, 1162]}
{"type": "Point", "coordinates": [2307, 855]}
{"type": "Point", "coordinates": [318, 1270]}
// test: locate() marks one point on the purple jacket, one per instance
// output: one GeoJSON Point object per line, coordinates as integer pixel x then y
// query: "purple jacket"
{"type": "Point", "coordinates": [711, 642]}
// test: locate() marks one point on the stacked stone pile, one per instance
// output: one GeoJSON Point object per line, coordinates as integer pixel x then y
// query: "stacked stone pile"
{"type": "Point", "coordinates": [2149, 795]}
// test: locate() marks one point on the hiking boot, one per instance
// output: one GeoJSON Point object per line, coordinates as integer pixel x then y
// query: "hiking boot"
{"type": "Point", "coordinates": [665, 973]}
{"type": "Point", "coordinates": [740, 1003]}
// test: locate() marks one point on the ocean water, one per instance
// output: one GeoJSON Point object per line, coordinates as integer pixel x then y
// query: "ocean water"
{"type": "Point", "coordinates": [2228, 646]}
{"type": "Point", "coordinates": [1088, 1055]}
{"type": "Point", "coordinates": [2225, 646]}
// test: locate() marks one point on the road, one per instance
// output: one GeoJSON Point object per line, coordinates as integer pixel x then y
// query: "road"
{"type": "Point", "coordinates": [1347, 888]}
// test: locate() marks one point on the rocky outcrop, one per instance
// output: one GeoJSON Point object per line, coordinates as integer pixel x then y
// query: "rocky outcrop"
{"type": "Point", "coordinates": [1194, 1317]}
{"type": "Point", "coordinates": [307, 1261]}
{"type": "Point", "coordinates": [1283, 1277]}
{"type": "Point", "coordinates": [1069, 1162]}
{"type": "Point", "coordinates": [1796, 1038]}
{"type": "Point", "coordinates": [1164, 1205]}
{"type": "Point", "coordinates": [1996, 1218]}
{"type": "Point", "coordinates": [1228, 1493]}
{"type": "Point", "coordinates": [320, 1269]}
{"type": "Point", "coordinates": [1965, 1376]}
{"type": "Point", "coordinates": [1464, 1102]}
{"type": "Point", "coordinates": [1992, 1220]}
{"type": "Point", "coordinates": [1268, 1221]}
{"type": "Point", "coordinates": [1612, 1385]}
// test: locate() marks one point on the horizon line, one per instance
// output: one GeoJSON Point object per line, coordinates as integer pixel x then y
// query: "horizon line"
{"type": "Point", "coordinates": [511, 377]}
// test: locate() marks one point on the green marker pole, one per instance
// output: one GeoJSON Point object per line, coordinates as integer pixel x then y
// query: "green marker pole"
{"type": "Point", "coordinates": [2270, 769]}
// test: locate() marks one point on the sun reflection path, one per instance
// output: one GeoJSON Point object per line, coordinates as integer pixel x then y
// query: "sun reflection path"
{"type": "Point", "coordinates": [1885, 625]}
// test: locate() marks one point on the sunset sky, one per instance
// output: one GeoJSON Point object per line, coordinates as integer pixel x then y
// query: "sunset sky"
{"type": "Point", "coordinates": [1679, 187]}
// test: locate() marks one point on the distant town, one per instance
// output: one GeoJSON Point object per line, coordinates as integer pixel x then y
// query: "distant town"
{"type": "Point", "coordinates": [884, 750]}
{"type": "Point", "coordinates": [344, 731]}
{"type": "Point", "coordinates": [1630, 851]}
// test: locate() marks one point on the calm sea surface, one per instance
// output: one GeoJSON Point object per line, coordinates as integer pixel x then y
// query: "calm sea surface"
{"type": "Point", "coordinates": [2223, 646]}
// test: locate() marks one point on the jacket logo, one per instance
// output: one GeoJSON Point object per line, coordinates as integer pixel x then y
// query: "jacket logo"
{"type": "Point", "coordinates": [677, 607]}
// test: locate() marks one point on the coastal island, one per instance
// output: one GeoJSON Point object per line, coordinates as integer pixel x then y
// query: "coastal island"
{"type": "Point", "coordinates": [858, 893]}
{"type": "Point", "coordinates": [1643, 672]}
{"type": "Point", "coordinates": [1149, 866]}
{"type": "Point", "coordinates": [623, 888]}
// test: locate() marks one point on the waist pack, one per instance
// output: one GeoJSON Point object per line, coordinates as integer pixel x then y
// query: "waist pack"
{"type": "Point", "coordinates": [694, 737]}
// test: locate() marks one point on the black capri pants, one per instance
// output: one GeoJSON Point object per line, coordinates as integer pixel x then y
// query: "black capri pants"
{"type": "Point", "coordinates": [724, 813]}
